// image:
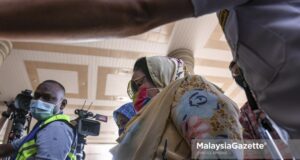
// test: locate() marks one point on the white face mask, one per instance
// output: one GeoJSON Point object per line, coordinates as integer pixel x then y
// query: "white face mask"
{"type": "Point", "coordinates": [41, 110]}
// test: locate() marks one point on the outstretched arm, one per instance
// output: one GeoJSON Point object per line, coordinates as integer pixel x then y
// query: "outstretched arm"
{"type": "Point", "coordinates": [88, 19]}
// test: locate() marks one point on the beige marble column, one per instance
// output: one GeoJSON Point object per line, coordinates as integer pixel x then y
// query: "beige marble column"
{"type": "Point", "coordinates": [5, 49]}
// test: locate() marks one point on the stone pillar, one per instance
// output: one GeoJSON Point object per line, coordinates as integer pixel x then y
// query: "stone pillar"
{"type": "Point", "coordinates": [5, 49]}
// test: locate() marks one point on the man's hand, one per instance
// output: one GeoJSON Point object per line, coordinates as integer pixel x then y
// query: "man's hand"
{"type": "Point", "coordinates": [6, 150]}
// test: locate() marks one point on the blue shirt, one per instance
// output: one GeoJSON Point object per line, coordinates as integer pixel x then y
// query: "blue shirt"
{"type": "Point", "coordinates": [53, 142]}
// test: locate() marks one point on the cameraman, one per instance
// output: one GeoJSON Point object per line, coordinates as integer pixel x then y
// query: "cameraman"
{"type": "Point", "coordinates": [52, 138]}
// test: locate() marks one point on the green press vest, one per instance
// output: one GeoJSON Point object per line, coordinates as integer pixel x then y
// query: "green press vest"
{"type": "Point", "coordinates": [29, 149]}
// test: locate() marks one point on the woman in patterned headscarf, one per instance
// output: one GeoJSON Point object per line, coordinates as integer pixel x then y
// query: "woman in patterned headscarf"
{"type": "Point", "coordinates": [173, 108]}
{"type": "Point", "coordinates": [151, 75]}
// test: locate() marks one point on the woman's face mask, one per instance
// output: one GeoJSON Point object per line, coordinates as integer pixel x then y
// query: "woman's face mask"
{"type": "Point", "coordinates": [142, 97]}
{"type": "Point", "coordinates": [140, 90]}
{"type": "Point", "coordinates": [41, 110]}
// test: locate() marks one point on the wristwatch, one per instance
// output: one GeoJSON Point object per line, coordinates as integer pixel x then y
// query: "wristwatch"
{"type": "Point", "coordinates": [5, 114]}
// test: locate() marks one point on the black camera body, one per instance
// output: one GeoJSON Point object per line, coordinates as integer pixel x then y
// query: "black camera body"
{"type": "Point", "coordinates": [87, 124]}
{"type": "Point", "coordinates": [88, 127]}
{"type": "Point", "coordinates": [21, 119]}
{"type": "Point", "coordinates": [22, 101]}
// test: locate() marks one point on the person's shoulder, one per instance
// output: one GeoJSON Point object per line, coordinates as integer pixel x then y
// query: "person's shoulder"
{"type": "Point", "coordinates": [58, 127]}
{"type": "Point", "coordinates": [59, 124]}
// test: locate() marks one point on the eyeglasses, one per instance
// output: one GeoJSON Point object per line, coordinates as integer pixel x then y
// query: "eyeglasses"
{"type": "Point", "coordinates": [133, 86]}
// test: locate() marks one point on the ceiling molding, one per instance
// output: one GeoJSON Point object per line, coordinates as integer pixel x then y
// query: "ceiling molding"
{"type": "Point", "coordinates": [90, 51]}
{"type": "Point", "coordinates": [79, 50]}
{"type": "Point", "coordinates": [103, 72]}
{"type": "Point", "coordinates": [211, 63]}
{"type": "Point", "coordinates": [82, 72]}
{"type": "Point", "coordinates": [215, 42]}
{"type": "Point", "coordinates": [101, 82]}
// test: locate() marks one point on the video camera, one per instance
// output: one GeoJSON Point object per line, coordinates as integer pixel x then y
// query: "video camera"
{"type": "Point", "coordinates": [87, 124]}
{"type": "Point", "coordinates": [19, 116]}
{"type": "Point", "coordinates": [22, 101]}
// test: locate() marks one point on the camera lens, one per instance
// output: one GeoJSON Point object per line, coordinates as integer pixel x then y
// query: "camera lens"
{"type": "Point", "coordinates": [22, 101]}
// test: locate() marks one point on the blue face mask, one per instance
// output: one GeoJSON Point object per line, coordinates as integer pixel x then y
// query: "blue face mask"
{"type": "Point", "coordinates": [41, 110]}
